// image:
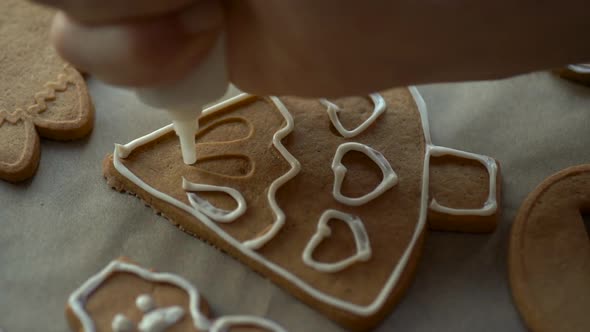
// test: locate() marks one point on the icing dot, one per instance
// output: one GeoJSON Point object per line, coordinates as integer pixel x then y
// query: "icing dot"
{"type": "Point", "coordinates": [121, 323]}
{"type": "Point", "coordinates": [159, 320]}
{"type": "Point", "coordinates": [145, 303]}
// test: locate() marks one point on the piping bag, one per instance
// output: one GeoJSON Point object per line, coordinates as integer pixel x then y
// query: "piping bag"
{"type": "Point", "coordinates": [184, 100]}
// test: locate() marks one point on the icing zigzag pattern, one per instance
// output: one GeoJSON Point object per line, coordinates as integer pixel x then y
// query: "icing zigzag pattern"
{"type": "Point", "coordinates": [48, 93]}
{"type": "Point", "coordinates": [41, 99]}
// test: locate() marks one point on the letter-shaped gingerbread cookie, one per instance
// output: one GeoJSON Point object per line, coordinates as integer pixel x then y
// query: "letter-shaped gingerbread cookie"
{"type": "Point", "coordinates": [328, 198]}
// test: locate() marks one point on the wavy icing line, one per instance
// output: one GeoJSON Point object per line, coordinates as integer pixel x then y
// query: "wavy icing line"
{"type": "Point", "coordinates": [158, 319]}
{"type": "Point", "coordinates": [48, 93]}
{"type": "Point", "coordinates": [122, 151]}
{"type": "Point", "coordinates": [333, 109]}
{"type": "Point", "coordinates": [258, 242]}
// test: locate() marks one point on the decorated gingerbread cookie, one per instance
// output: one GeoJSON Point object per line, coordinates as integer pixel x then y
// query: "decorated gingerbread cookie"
{"type": "Point", "coordinates": [328, 198]}
{"type": "Point", "coordinates": [549, 259]}
{"type": "Point", "coordinates": [125, 297]}
{"type": "Point", "coordinates": [39, 94]}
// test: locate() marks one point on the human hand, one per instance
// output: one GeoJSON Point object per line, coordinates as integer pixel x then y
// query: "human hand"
{"type": "Point", "coordinates": [319, 48]}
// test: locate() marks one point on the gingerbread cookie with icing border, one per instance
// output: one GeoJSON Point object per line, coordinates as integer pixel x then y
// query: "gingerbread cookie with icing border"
{"type": "Point", "coordinates": [40, 95]}
{"type": "Point", "coordinates": [125, 297]}
{"type": "Point", "coordinates": [291, 187]}
{"type": "Point", "coordinates": [549, 256]}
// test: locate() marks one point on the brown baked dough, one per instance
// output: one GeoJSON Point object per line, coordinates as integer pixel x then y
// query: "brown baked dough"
{"type": "Point", "coordinates": [118, 291]}
{"type": "Point", "coordinates": [40, 95]}
{"type": "Point", "coordinates": [235, 149]}
{"type": "Point", "coordinates": [549, 258]}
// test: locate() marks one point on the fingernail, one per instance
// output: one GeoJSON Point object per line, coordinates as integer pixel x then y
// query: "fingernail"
{"type": "Point", "coordinates": [204, 15]}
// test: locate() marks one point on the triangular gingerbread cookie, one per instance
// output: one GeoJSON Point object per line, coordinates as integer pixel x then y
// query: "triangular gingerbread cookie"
{"type": "Point", "coordinates": [333, 214]}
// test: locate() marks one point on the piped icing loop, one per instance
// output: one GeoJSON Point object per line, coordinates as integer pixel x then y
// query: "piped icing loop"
{"type": "Point", "coordinates": [204, 206]}
{"type": "Point", "coordinates": [226, 323]}
{"type": "Point", "coordinates": [333, 109]}
{"type": "Point", "coordinates": [361, 239]}
{"type": "Point", "coordinates": [490, 206]}
{"type": "Point", "coordinates": [390, 178]}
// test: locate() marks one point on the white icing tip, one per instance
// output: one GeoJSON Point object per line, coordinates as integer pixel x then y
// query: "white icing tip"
{"type": "Point", "coordinates": [186, 131]}
{"type": "Point", "coordinates": [122, 151]}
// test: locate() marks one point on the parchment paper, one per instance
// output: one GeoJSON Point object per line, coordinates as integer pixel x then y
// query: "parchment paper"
{"type": "Point", "coordinates": [65, 224]}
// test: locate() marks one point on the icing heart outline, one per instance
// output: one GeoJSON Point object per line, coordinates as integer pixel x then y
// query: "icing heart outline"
{"type": "Point", "coordinates": [333, 109]}
{"type": "Point", "coordinates": [390, 178]}
{"type": "Point", "coordinates": [215, 213]}
{"type": "Point", "coordinates": [361, 239]}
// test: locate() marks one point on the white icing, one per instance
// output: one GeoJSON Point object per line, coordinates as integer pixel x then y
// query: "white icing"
{"type": "Point", "coordinates": [215, 213]}
{"type": "Point", "coordinates": [356, 309]}
{"type": "Point", "coordinates": [225, 323]}
{"type": "Point", "coordinates": [123, 151]}
{"type": "Point", "coordinates": [272, 189]}
{"type": "Point", "coordinates": [390, 179]}
{"type": "Point", "coordinates": [79, 297]}
{"type": "Point", "coordinates": [159, 320]}
{"type": "Point", "coordinates": [580, 68]}
{"type": "Point", "coordinates": [490, 206]}
{"type": "Point", "coordinates": [145, 303]}
{"type": "Point", "coordinates": [121, 323]}
{"type": "Point", "coordinates": [361, 239]}
{"type": "Point", "coordinates": [333, 110]}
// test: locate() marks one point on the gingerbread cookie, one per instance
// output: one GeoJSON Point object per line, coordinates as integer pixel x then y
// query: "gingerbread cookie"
{"type": "Point", "coordinates": [40, 95]}
{"type": "Point", "coordinates": [549, 259]}
{"type": "Point", "coordinates": [125, 297]}
{"type": "Point", "coordinates": [578, 73]}
{"type": "Point", "coordinates": [327, 198]}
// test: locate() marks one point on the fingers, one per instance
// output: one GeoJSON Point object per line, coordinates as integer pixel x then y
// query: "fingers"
{"type": "Point", "coordinates": [101, 11]}
{"type": "Point", "coordinates": [140, 53]}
